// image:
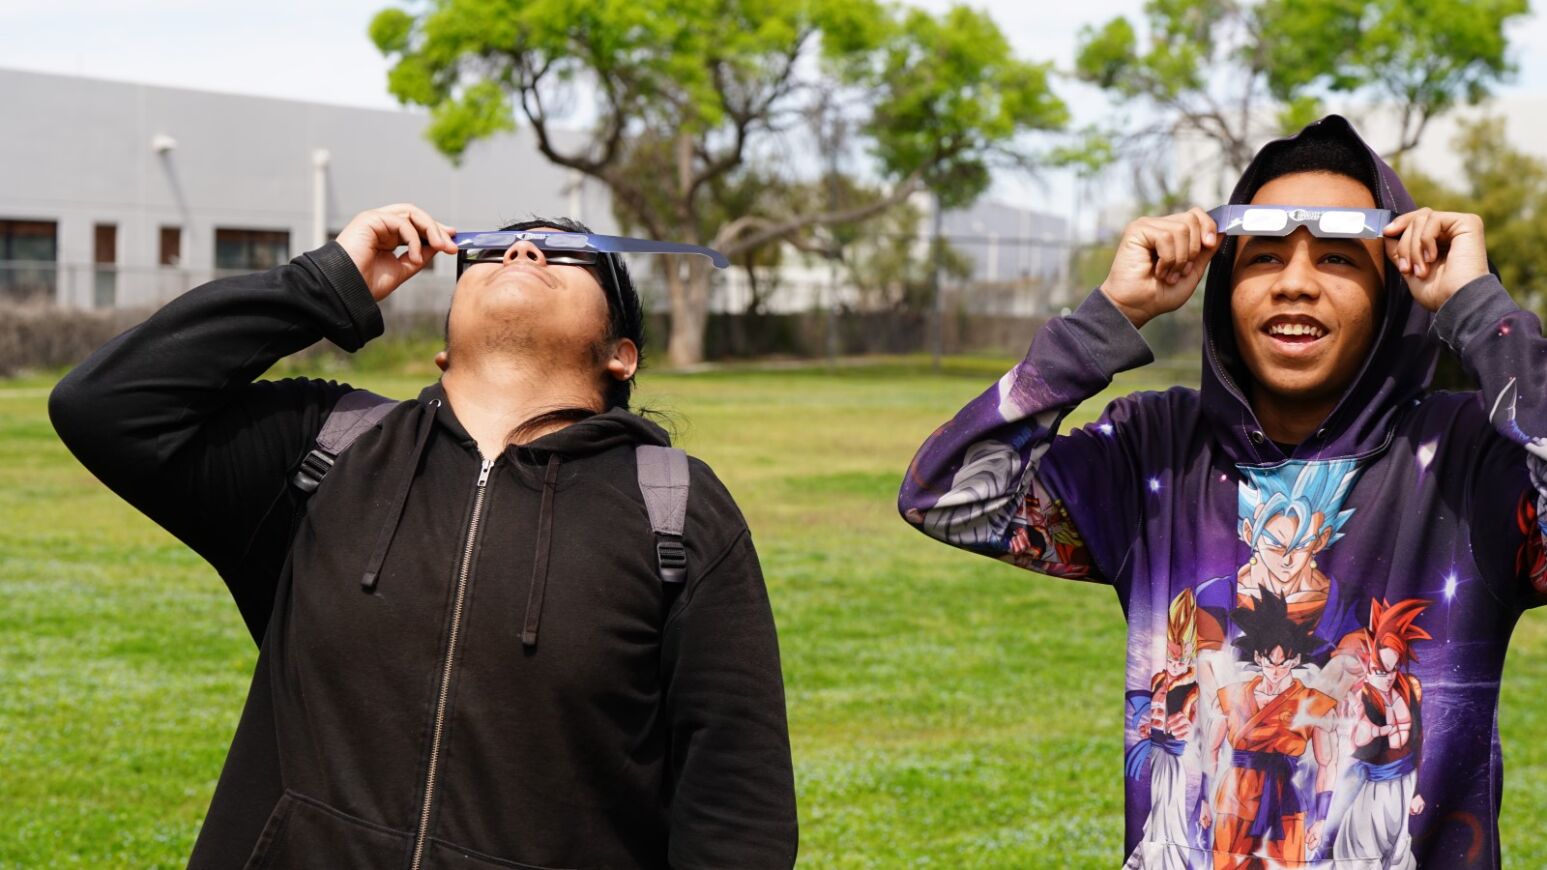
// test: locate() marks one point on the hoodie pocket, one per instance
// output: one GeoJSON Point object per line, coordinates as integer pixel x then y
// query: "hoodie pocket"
{"type": "Point", "coordinates": [304, 834]}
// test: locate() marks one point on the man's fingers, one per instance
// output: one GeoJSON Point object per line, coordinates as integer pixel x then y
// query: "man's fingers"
{"type": "Point", "coordinates": [1412, 249]}
{"type": "Point", "coordinates": [430, 229]}
{"type": "Point", "coordinates": [409, 235]}
{"type": "Point", "coordinates": [424, 225]}
{"type": "Point", "coordinates": [1165, 252]}
{"type": "Point", "coordinates": [1188, 241]}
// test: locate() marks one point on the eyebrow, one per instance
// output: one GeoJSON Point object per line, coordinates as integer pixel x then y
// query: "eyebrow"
{"type": "Point", "coordinates": [1342, 245]}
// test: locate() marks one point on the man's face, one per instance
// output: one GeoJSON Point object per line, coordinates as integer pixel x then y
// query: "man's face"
{"type": "Point", "coordinates": [558, 312]}
{"type": "Point", "coordinates": [1276, 665]}
{"type": "Point", "coordinates": [1304, 307]}
{"type": "Point", "coordinates": [1383, 669]}
{"type": "Point", "coordinates": [1178, 661]}
{"type": "Point", "coordinates": [1274, 552]}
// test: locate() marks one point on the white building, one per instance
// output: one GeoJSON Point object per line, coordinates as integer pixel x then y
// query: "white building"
{"type": "Point", "coordinates": [125, 194]}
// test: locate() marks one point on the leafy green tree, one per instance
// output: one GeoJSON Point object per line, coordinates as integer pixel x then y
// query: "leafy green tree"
{"type": "Point", "coordinates": [681, 93]}
{"type": "Point", "coordinates": [1507, 188]}
{"type": "Point", "coordinates": [1233, 71]}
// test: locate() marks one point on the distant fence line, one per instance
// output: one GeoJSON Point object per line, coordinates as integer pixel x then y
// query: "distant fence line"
{"type": "Point", "coordinates": [54, 314]}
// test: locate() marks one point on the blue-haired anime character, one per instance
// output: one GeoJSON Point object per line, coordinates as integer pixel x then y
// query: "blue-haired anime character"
{"type": "Point", "coordinates": [1287, 515]}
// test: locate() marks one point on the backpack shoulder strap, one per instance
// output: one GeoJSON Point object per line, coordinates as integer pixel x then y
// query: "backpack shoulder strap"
{"type": "Point", "coordinates": [353, 416]}
{"type": "Point", "coordinates": [663, 479]}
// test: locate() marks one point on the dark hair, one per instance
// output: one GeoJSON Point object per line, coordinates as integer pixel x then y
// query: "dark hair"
{"type": "Point", "coordinates": [625, 320]}
{"type": "Point", "coordinates": [1317, 149]}
{"type": "Point", "coordinates": [1267, 625]}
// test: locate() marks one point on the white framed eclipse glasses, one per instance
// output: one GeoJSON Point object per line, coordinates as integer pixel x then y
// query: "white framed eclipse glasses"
{"type": "Point", "coordinates": [1281, 220]}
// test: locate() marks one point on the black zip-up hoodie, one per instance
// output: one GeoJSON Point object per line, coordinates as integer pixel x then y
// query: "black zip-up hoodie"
{"type": "Point", "coordinates": [461, 664]}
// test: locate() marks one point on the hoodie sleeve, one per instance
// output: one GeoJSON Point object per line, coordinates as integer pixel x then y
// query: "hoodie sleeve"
{"type": "Point", "coordinates": [167, 414]}
{"type": "Point", "coordinates": [997, 479]}
{"type": "Point", "coordinates": [1501, 344]}
{"type": "Point", "coordinates": [733, 796]}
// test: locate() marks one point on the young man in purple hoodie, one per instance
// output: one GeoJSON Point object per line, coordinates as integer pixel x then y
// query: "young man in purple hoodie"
{"type": "Point", "coordinates": [1309, 490]}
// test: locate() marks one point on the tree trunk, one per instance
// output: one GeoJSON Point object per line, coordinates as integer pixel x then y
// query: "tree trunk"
{"type": "Point", "coordinates": [689, 294]}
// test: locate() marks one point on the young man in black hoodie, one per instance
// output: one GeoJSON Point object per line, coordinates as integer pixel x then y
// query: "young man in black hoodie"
{"type": "Point", "coordinates": [467, 656]}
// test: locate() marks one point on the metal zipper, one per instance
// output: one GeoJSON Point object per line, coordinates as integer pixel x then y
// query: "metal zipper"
{"type": "Point", "coordinates": [445, 674]}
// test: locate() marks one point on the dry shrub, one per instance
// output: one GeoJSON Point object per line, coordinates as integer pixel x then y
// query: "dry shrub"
{"type": "Point", "coordinates": [36, 337]}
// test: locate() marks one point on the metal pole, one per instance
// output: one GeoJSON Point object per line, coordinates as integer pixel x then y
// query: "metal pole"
{"type": "Point", "coordinates": [832, 255]}
{"type": "Point", "coordinates": [320, 160]}
{"type": "Point", "coordinates": [934, 284]}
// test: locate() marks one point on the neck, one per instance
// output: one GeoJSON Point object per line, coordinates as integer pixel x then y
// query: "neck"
{"type": "Point", "coordinates": [491, 400]}
{"type": "Point", "coordinates": [1290, 421]}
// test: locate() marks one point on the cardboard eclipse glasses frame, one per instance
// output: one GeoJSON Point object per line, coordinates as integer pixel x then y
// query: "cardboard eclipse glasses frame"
{"type": "Point", "coordinates": [1281, 220]}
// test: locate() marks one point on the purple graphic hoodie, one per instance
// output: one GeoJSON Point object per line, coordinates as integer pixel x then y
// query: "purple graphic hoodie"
{"type": "Point", "coordinates": [1315, 637]}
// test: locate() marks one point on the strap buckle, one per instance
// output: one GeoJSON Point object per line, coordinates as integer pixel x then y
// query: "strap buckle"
{"type": "Point", "coordinates": [671, 558]}
{"type": "Point", "coordinates": [313, 469]}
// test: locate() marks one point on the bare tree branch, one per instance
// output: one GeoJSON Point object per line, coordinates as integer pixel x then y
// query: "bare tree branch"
{"type": "Point", "coordinates": [730, 240]}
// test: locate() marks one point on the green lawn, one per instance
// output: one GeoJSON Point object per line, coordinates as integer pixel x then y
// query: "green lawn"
{"type": "Point", "coordinates": [945, 710]}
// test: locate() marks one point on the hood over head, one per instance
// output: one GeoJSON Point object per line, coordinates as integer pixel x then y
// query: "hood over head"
{"type": "Point", "coordinates": [1396, 371]}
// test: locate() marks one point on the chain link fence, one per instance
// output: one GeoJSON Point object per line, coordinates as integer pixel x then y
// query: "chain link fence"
{"type": "Point", "coordinates": [53, 314]}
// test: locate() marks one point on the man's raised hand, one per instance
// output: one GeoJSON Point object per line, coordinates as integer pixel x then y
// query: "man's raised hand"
{"type": "Point", "coordinates": [372, 238]}
{"type": "Point", "coordinates": [1159, 262]}
{"type": "Point", "coordinates": [1437, 252]}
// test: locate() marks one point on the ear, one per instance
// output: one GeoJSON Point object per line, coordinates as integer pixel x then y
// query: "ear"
{"type": "Point", "coordinates": [1322, 537]}
{"type": "Point", "coordinates": [1246, 530]}
{"type": "Point", "coordinates": [442, 360]}
{"type": "Point", "coordinates": [624, 360]}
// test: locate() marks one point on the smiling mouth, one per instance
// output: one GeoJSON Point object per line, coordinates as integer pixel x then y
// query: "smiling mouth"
{"type": "Point", "coordinates": [1295, 330]}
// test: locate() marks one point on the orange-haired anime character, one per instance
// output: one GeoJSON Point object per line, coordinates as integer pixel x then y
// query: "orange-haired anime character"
{"type": "Point", "coordinates": [1387, 736]}
{"type": "Point", "coordinates": [1168, 723]}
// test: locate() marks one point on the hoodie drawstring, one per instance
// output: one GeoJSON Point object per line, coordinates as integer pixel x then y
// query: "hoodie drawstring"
{"type": "Point", "coordinates": [399, 499]}
{"type": "Point", "coordinates": [534, 601]}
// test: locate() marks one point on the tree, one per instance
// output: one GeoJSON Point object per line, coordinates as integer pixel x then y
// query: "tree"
{"type": "Point", "coordinates": [684, 93]}
{"type": "Point", "coordinates": [1234, 72]}
{"type": "Point", "coordinates": [1507, 188]}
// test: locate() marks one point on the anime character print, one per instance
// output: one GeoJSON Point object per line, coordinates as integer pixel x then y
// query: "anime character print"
{"type": "Point", "coordinates": [1270, 758]}
{"type": "Point", "coordinates": [1165, 719]}
{"type": "Point", "coordinates": [1288, 515]}
{"type": "Point", "coordinates": [1385, 736]}
{"type": "Point", "coordinates": [1041, 532]}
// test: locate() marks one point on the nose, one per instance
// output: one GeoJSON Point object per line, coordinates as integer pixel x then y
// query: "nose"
{"type": "Point", "coordinates": [1298, 278]}
{"type": "Point", "coordinates": [524, 249]}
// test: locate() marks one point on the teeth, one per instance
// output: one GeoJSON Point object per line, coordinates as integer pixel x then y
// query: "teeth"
{"type": "Point", "coordinates": [1296, 329]}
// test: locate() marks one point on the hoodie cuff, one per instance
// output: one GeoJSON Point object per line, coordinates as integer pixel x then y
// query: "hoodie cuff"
{"type": "Point", "coordinates": [343, 276]}
{"type": "Point", "coordinates": [1107, 335]}
{"type": "Point", "coordinates": [1474, 311]}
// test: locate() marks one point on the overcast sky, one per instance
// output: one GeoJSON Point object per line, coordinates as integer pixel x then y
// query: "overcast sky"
{"type": "Point", "coordinates": [317, 49]}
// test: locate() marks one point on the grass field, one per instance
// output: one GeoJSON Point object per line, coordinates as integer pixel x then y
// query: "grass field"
{"type": "Point", "coordinates": [945, 710]}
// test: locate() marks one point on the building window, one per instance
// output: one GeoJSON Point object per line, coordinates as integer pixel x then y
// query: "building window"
{"type": "Point", "coordinates": [251, 250]}
{"type": "Point", "coordinates": [29, 253]}
{"type": "Point", "coordinates": [104, 258]}
{"type": "Point", "coordinates": [171, 250]}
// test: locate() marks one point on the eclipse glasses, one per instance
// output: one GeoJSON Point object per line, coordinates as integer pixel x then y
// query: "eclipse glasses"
{"type": "Point", "coordinates": [567, 248]}
{"type": "Point", "coordinates": [1281, 220]}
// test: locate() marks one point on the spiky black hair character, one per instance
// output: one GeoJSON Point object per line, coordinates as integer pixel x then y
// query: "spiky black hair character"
{"type": "Point", "coordinates": [1267, 625]}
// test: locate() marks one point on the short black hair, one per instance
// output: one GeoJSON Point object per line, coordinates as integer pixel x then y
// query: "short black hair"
{"type": "Point", "coordinates": [1267, 624]}
{"type": "Point", "coordinates": [1317, 149]}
